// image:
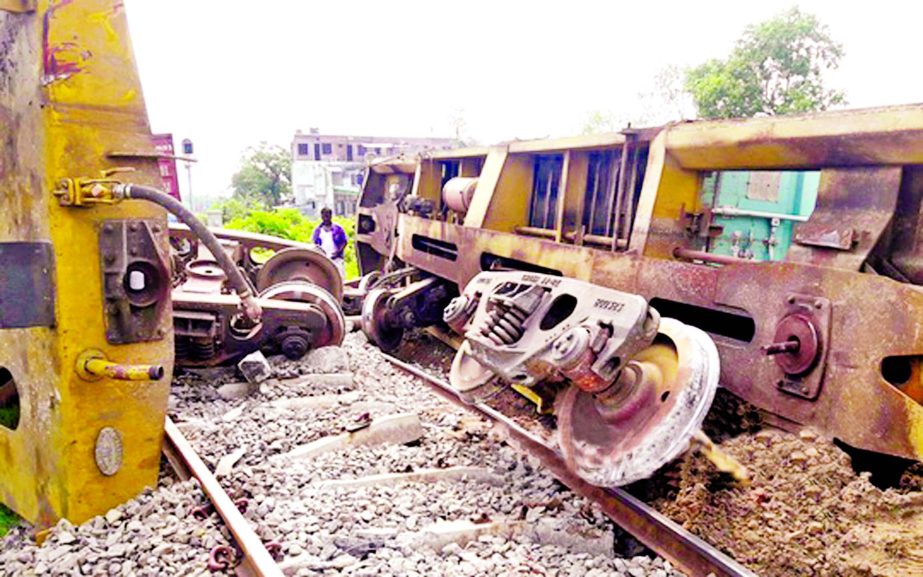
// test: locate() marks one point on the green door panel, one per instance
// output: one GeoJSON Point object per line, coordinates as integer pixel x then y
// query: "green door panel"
{"type": "Point", "coordinates": [758, 209]}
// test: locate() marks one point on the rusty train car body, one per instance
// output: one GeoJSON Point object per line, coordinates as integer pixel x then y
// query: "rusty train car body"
{"type": "Point", "coordinates": [793, 242]}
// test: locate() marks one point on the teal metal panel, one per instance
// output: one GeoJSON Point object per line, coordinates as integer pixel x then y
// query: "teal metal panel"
{"type": "Point", "coordinates": [770, 203]}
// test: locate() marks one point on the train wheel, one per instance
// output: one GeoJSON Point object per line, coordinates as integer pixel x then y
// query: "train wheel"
{"type": "Point", "coordinates": [469, 377]}
{"type": "Point", "coordinates": [376, 324]}
{"type": "Point", "coordinates": [648, 416]}
{"type": "Point", "coordinates": [299, 291]}
{"type": "Point", "coordinates": [301, 264]}
{"type": "Point", "coordinates": [367, 282]}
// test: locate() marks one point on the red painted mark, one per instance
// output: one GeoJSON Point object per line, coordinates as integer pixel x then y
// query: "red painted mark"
{"type": "Point", "coordinates": [55, 66]}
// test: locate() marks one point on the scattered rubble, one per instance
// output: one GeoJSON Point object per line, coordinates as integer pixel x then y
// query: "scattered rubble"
{"type": "Point", "coordinates": [805, 511]}
{"type": "Point", "coordinates": [154, 534]}
{"type": "Point", "coordinates": [455, 501]}
{"type": "Point", "coordinates": [255, 368]}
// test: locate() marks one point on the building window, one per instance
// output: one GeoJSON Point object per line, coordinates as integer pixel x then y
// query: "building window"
{"type": "Point", "coordinates": [361, 150]}
{"type": "Point", "coordinates": [302, 149]}
{"type": "Point", "coordinates": [327, 148]}
{"type": "Point", "coordinates": [377, 151]}
{"type": "Point", "coordinates": [316, 151]}
{"type": "Point", "coordinates": [349, 152]}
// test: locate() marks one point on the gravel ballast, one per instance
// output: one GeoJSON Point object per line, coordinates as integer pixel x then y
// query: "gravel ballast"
{"type": "Point", "coordinates": [514, 519]}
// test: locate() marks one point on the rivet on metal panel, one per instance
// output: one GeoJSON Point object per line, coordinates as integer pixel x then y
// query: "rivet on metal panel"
{"type": "Point", "coordinates": [108, 451]}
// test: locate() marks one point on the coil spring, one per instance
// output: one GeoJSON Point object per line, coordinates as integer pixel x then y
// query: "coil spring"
{"type": "Point", "coordinates": [202, 349]}
{"type": "Point", "coordinates": [181, 346]}
{"type": "Point", "coordinates": [504, 324]}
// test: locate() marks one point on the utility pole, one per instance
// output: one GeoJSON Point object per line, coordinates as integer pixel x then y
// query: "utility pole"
{"type": "Point", "coordinates": [187, 152]}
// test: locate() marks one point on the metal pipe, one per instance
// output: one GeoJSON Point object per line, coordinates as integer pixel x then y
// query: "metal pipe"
{"type": "Point", "coordinates": [620, 193]}
{"type": "Point", "coordinates": [731, 211]}
{"type": "Point", "coordinates": [261, 562]}
{"type": "Point", "coordinates": [535, 231]}
{"type": "Point", "coordinates": [251, 307]}
{"type": "Point", "coordinates": [593, 201]}
{"type": "Point", "coordinates": [93, 365]}
{"type": "Point", "coordinates": [688, 254]}
{"type": "Point", "coordinates": [548, 189]}
{"type": "Point", "coordinates": [607, 241]}
{"type": "Point", "coordinates": [789, 346]}
{"type": "Point", "coordinates": [571, 236]}
{"type": "Point", "coordinates": [632, 184]}
{"type": "Point", "coordinates": [103, 368]}
{"type": "Point", "coordinates": [596, 180]}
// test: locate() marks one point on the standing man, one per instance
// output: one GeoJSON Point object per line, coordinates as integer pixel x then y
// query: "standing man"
{"type": "Point", "coordinates": [331, 238]}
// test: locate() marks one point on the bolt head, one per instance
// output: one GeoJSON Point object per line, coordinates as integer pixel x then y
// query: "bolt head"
{"type": "Point", "coordinates": [294, 346]}
{"type": "Point", "coordinates": [568, 348]}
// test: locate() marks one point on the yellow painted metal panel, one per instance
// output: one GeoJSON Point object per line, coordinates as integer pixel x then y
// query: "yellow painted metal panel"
{"type": "Point", "coordinates": [487, 185]}
{"type": "Point", "coordinates": [75, 95]}
{"type": "Point", "coordinates": [17, 6]}
{"type": "Point", "coordinates": [509, 205]}
{"type": "Point", "coordinates": [607, 140]}
{"type": "Point", "coordinates": [470, 152]}
{"type": "Point", "coordinates": [887, 135]}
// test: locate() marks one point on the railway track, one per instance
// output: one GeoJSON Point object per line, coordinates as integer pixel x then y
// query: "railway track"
{"type": "Point", "coordinates": [684, 551]}
{"type": "Point", "coordinates": [451, 493]}
{"type": "Point", "coordinates": [691, 554]}
{"type": "Point", "coordinates": [688, 553]}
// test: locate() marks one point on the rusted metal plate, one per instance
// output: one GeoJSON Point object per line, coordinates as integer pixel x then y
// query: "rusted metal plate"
{"type": "Point", "coordinates": [854, 208]}
{"type": "Point", "coordinates": [824, 236]}
{"type": "Point", "coordinates": [807, 320]}
{"type": "Point", "coordinates": [27, 291]}
{"type": "Point", "coordinates": [136, 280]}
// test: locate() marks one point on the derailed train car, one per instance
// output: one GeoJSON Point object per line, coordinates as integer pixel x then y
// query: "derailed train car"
{"type": "Point", "coordinates": [597, 262]}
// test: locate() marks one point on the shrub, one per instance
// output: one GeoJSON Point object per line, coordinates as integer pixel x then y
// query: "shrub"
{"type": "Point", "coordinates": [290, 224]}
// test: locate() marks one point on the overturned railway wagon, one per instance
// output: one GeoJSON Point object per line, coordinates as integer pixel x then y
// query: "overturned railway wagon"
{"type": "Point", "coordinates": [793, 243]}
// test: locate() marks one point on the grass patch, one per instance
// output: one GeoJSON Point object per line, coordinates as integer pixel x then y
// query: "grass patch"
{"type": "Point", "coordinates": [8, 520]}
{"type": "Point", "coordinates": [289, 223]}
{"type": "Point", "coordinates": [9, 417]}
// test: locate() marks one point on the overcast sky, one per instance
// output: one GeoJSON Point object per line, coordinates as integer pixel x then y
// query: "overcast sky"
{"type": "Point", "coordinates": [230, 74]}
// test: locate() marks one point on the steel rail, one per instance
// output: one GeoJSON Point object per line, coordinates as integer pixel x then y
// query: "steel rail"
{"type": "Point", "coordinates": [683, 549]}
{"type": "Point", "coordinates": [257, 560]}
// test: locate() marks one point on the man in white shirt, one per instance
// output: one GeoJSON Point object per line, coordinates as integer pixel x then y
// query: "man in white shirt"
{"type": "Point", "coordinates": [331, 238]}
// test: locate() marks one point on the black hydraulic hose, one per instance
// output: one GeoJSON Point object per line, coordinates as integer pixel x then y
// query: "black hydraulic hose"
{"type": "Point", "coordinates": [251, 307]}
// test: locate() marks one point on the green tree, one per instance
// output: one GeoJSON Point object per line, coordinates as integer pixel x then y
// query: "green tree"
{"type": "Point", "coordinates": [777, 67]}
{"type": "Point", "coordinates": [234, 208]}
{"type": "Point", "coordinates": [666, 100]}
{"type": "Point", "coordinates": [598, 122]}
{"type": "Point", "coordinates": [265, 176]}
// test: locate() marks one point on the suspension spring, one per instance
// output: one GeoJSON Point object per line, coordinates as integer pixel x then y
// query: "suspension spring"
{"type": "Point", "coordinates": [202, 348]}
{"type": "Point", "coordinates": [182, 347]}
{"type": "Point", "coordinates": [504, 324]}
